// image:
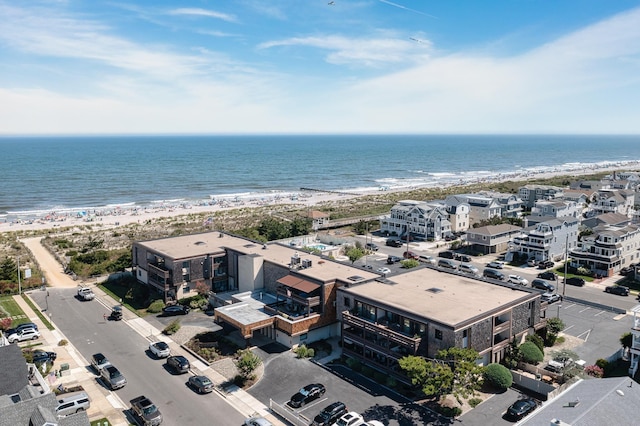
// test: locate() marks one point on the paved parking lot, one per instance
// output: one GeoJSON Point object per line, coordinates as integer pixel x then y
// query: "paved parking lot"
{"type": "Point", "coordinates": [598, 329]}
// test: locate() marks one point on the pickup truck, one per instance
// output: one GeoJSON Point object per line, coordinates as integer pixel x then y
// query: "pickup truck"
{"type": "Point", "coordinates": [145, 412]}
{"type": "Point", "coordinates": [85, 293]}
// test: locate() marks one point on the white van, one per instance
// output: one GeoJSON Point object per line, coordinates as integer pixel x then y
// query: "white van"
{"type": "Point", "coordinates": [73, 404]}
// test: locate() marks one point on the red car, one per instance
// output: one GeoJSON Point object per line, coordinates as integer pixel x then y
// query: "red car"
{"type": "Point", "coordinates": [409, 255]}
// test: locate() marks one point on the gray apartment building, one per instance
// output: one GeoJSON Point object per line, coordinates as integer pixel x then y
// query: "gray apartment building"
{"type": "Point", "coordinates": [424, 311]}
{"type": "Point", "coordinates": [547, 240]}
{"type": "Point", "coordinates": [529, 194]}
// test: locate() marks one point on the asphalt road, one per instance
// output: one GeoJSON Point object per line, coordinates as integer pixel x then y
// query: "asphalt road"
{"type": "Point", "coordinates": [84, 326]}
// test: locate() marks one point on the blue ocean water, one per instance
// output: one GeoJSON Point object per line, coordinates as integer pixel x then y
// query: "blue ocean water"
{"type": "Point", "coordinates": [53, 173]}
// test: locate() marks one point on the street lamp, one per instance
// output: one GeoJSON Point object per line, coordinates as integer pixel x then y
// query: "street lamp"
{"type": "Point", "coordinates": [19, 284]}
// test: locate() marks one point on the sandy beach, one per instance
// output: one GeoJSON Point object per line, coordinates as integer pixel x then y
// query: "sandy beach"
{"type": "Point", "coordinates": [119, 216]}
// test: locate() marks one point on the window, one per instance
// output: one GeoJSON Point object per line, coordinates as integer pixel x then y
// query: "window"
{"type": "Point", "coordinates": [438, 334]}
{"type": "Point", "coordinates": [303, 336]}
{"type": "Point", "coordinates": [465, 338]}
{"type": "Point", "coordinates": [347, 302]}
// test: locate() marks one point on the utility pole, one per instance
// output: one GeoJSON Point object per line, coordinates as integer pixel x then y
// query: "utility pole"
{"type": "Point", "coordinates": [19, 284]}
{"type": "Point", "coordinates": [566, 261]}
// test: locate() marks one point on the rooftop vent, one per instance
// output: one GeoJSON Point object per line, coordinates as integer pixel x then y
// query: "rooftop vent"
{"type": "Point", "coordinates": [200, 243]}
{"type": "Point", "coordinates": [435, 290]}
{"type": "Point", "coordinates": [355, 278]}
{"type": "Point", "coordinates": [249, 245]}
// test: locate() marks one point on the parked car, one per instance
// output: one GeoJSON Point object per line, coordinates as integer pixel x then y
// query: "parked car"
{"type": "Point", "coordinates": [521, 408]}
{"type": "Point", "coordinates": [257, 421]}
{"type": "Point", "coordinates": [467, 268]}
{"type": "Point", "coordinates": [330, 414]}
{"type": "Point", "coordinates": [517, 279]}
{"type": "Point", "coordinates": [550, 297]}
{"type": "Point", "coordinates": [626, 270]}
{"type": "Point", "coordinates": [463, 257]}
{"type": "Point", "coordinates": [350, 419]}
{"type": "Point", "coordinates": [23, 335]}
{"type": "Point", "coordinates": [175, 310]}
{"type": "Point", "coordinates": [393, 259]}
{"type": "Point", "coordinates": [546, 264]}
{"type": "Point", "coordinates": [493, 274]}
{"type": "Point", "coordinates": [617, 289]}
{"type": "Point", "coordinates": [393, 243]}
{"type": "Point", "coordinates": [202, 384]}
{"type": "Point", "coordinates": [113, 378]}
{"type": "Point", "coordinates": [99, 362]}
{"type": "Point", "coordinates": [371, 246]}
{"type": "Point", "coordinates": [548, 275]}
{"type": "Point", "coordinates": [446, 254]}
{"type": "Point", "coordinates": [427, 259]}
{"type": "Point", "coordinates": [116, 313]}
{"type": "Point", "coordinates": [73, 404]}
{"type": "Point", "coordinates": [447, 264]}
{"type": "Point", "coordinates": [40, 356]}
{"type": "Point", "coordinates": [495, 265]}
{"type": "Point", "coordinates": [25, 326]}
{"type": "Point", "coordinates": [178, 363]}
{"type": "Point", "coordinates": [159, 349]}
{"type": "Point", "coordinates": [384, 270]}
{"type": "Point", "coordinates": [542, 285]}
{"type": "Point", "coordinates": [409, 255]}
{"type": "Point", "coordinates": [307, 394]}
{"type": "Point", "coordinates": [531, 262]}
{"type": "Point", "coordinates": [577, 281]}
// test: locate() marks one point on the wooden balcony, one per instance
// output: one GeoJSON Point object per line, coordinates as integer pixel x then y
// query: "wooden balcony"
{"type": "Point", "coordinates": [386, 338]}
{"type": "Point", "coordinates": [310, 301]}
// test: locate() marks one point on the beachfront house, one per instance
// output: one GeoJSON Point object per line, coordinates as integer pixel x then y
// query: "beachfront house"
{"type": "Point", "coordinates": [481, 207]}
{"type": "Point", "coordinates": [608, 249]}
{"type": "Point", "coordinates": [271, 291]}
{"type": "Point", "coordinates": [556, 208]}
{"type": "Point", "coordinates": [529, 194]}
{"type": "Point", "coordinates": [614, 201]}
{"type": "Point", "coordinates": [421, 220]}
{"type": "Point", "coordinates": [319, 219]}
{"type": "Point", "coordinates": [423, 311]}
{"type": "Point", "coordinates": [547, 240]}
{"type": "Point", "coordinates": [492, 238]}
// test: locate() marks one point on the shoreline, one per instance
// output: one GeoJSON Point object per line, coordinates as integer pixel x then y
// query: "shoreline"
{"type": "Point", "coordinates": [130, 213]}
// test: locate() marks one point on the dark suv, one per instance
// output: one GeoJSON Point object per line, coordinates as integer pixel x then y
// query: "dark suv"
{"type": "Point", "coordinates": [617, 289]}
{"type": "Point", "coordinates": [542, 285]}
{"type": "Point", "coordinates": [493, 274]}
{"type": "Point", "coordinates": [577, 281]}
{"type": "Point", "coordinates": [545, 264]}
{"type": "Point", "coordinates": [446, 254]}
{"type": "Point", "coordinates": [330, 414]}
{"type": "Point", "coordinates": [393, 259]}
{"type": "Point", "coordinates": [178, 363]}
{"type": "Point", "coordinates": [394, 243]}
{"type": "Point", "coordinates": [548, 275]}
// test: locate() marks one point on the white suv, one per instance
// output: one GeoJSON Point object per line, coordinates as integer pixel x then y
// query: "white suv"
{"type": "Point", "coordinates": [469, 269]}
{"type": "Point", "coordinates": [22, 335]}
{"type": "Point", "coordinates": [350, 419]}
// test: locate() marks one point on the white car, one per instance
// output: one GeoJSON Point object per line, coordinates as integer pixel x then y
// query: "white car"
{"type": "Point", "coordinates": [550, 297]}
{"type": "Point", "coordinates": [427, 259]}
{"type": "Point", "coordinates": [23, 335]}
{"type": "Point", "coordinates": [517, 279]}
{"type": "Point", "coordinates": [160, 349]}
{"type": "Point", "coordinates": [350, 419]}
{"type": "Point", "coordinates": [384, 271]}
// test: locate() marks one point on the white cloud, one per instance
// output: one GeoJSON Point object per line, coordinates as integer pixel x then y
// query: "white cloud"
{"type": "Point", "coordinates": [190, 11]}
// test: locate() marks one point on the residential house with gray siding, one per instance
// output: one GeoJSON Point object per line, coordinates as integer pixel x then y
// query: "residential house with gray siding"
{"type": "Point", "coordinates": [492, 238]}
{"type": "Point", "coordinates": [529, 194]}
{"type": "Point", "coordinates": [548, 240]}
{"type": "Point", "coordinates": [424, 221]}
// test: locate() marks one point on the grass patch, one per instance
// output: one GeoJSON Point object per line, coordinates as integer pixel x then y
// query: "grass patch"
{"type": "Point", "coordinates": [12, 309]}
{"type": "Point", "coordinates": [44, 319]}
{"type": "Point", "coordinates": [101, 422]}
{"type": "Point", "coordinates": [119, 292]}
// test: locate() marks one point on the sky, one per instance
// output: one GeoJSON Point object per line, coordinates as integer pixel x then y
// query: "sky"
{"type": "Point", "coordinates": [78, 67]}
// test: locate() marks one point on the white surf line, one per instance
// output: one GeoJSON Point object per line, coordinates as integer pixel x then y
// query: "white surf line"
{"type": "Point", "coordinates": [588, 332]}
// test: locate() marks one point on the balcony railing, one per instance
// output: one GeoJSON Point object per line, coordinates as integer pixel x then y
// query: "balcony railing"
{"type": "Point", "coordinates": [500, 326]}
{"type": "Point", "coordinates": [382, 331]}
{"type": "Point", "coordinates": [306, 301]}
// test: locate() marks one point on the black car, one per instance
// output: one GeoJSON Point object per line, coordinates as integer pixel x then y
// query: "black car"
{"type": "Point", "coordinates": [178, 363]}
{"type": "Point", "coordinates": [371, 246]}
{"type": "Point", "coordinates": [175, 310]}
{"type": "Point", "coordinates": [40, 357]}
{"type": "Point", "coordinates": [617, 289]}
{"type": "Point", "coordinates": [542, 285]}
{"type": "Point", "coordinates": [202, 384]}
{"type": "Point", "coordinates": [463, 257]}
{"type": "Point", "coordinates": [116, 313]}
{"type": "Point", "coordinates": [446, 254]}
{"type": "Point", "coordinates": [548, 275]}
{"type": "Point", "coordinates": [330, 414]}
{"type": "Point", "coordinates": [545, 264]}
{"type": "Point", "coordinates": [307, 394]}
{"type": "Point", "coordinates": [393, 259]}
{"type": "Point", "coordinates": [521, 408]}
{"type": "Point", "coordinates": [577, 281]}
{"type": "Point", "coordinates": [493, 274]}
{"type": "Point", "coordinates": [394, 243]}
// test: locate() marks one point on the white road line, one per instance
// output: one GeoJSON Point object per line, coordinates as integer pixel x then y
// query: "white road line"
{"type": "Point", "coordinates": [312, 405]}
{"type": "Point", "coordinates": [565, 330]}
{"type": "Point", "coordinates": [585, 309]}
{"type": "Point", "coordinates": [599, 313]}
{"type": "Point", "coordinates": [588, 332]}
{"type": "Point", "coordinates": [570, 306]}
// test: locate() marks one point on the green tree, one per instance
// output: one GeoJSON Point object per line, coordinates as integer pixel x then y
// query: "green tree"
{"type": "Point", "coordinates": [537, 340]}
{"type": "Point", "coordinates": [467, 373]}
{"type": "Point", "coordinates": [626, 340]}
{"type": "Point", "coordinates": [354, 254]}
{"type": "Point", "coordinates": [300, 226]}
{"type": "Point", "coordinates": [247, 362]}
{"type": "Point", "coordinates": [498, 375]}
{"type": "Point", "coordinates": [530, 353]}
{"type": "Point", "coordinates": [273, 229]}
{"type": "Point", "coordinates": [512, 354]}
{"type": "Point", "coordinates": [434, 378]}
{"type": "Point", "coordinates": [8, 270]}
{"type": "Point", "coordinates": [555, 325]}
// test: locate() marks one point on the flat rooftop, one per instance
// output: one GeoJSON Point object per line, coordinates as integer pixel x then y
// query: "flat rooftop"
{"type": "Point", "coordinates": [440, 296]}
{"type": "Point", "coordinates": [188, 246]}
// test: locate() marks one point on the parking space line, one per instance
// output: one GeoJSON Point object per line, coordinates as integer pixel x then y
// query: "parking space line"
{"type": "Point", "coordinates": [568, 328]}
{"type": "Point", "coordinates": [599, 313]}
{"type": "Point", "coordinates": [588, 332]}
{"type": "Point", "coordinates": [312, 405]}
{"type": "Point", "coordinates": [585, 309]}
{"type": "Point", "coordinates": [570, 306]}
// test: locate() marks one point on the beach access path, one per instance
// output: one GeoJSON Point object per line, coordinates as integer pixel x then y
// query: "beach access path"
{"type": "Point", "coordinates": [50, 267]}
